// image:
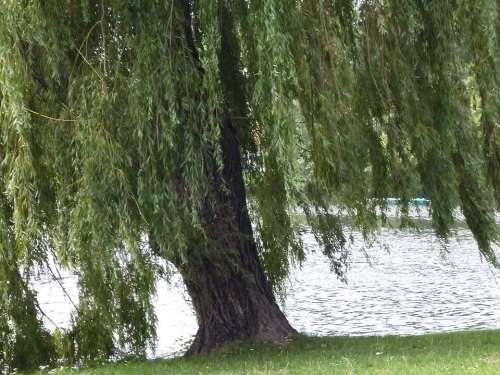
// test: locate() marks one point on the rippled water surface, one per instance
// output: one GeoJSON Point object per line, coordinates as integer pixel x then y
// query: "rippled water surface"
{"type": "Point", "coordinates": [409, 287]}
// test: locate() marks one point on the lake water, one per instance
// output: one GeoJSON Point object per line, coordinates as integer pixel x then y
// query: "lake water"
{"type": "Point", "coordinates": [410, 286]}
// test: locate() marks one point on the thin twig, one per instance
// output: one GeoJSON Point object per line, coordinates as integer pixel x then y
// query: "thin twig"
{"type": "Point", "coordinates": [39, 308]}
{"type": "Point", "coordinates": [49, 117]}
{"type": "Point", "coordinates": [103, 36]}
{"type": "Point", "coordinates": [58, 280]}
{"type": "Point", "coordinates": [81, 46]}
{"type": "Point", "coordinates": [90, 65]}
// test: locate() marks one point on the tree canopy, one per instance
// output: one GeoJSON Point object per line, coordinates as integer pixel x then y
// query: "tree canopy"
{"type": "Point", "coordinates": [110, 138]}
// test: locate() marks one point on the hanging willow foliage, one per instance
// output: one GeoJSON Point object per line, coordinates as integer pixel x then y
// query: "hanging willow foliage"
{"type": "Point", "coordinates": [110, 121]}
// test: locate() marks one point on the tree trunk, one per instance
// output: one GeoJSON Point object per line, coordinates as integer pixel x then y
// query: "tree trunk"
{"type": "Point", "coordinates": [229, 290]}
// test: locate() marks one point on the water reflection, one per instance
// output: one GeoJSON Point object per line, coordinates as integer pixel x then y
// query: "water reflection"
{"type": "Point", "coordinates": [410, 287]}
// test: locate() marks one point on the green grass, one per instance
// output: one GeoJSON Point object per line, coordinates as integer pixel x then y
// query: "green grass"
{"type": "Point", "coordinates": [476, 352]}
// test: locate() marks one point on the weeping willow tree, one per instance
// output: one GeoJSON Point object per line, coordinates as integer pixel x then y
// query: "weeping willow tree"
{"type": "Point", "coordinates": [189, 131]}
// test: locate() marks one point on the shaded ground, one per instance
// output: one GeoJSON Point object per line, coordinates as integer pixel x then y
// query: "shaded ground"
{"type": "Point", "coordinates": [476, 352]}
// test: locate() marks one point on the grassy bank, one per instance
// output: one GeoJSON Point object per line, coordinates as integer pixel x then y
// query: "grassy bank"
{"type": "Point", "coordinates": [452, 353]}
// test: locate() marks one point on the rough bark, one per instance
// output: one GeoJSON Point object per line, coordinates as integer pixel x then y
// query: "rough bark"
{"type": "Point", "coordinates": [229, 290]}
